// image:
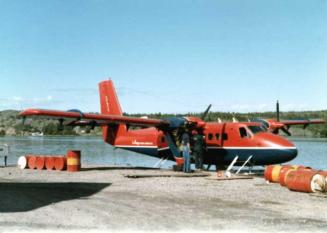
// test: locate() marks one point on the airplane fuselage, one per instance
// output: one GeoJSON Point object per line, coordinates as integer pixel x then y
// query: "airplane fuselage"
{"type": "Point", "coordinates": [224, 141]}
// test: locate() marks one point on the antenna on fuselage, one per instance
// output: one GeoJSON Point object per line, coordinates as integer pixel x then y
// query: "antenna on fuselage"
{"type": "Point", "coordinates": [235, 120]}
{"type": "Point", "coordinates": [219, 120]}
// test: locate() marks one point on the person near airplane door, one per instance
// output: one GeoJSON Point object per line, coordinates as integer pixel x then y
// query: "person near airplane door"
{"type": "Point", "coordinates": [186, 151]}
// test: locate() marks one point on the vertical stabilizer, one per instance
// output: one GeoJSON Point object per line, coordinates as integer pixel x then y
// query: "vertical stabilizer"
{"type": "Point", "coordinates": [110, 106]}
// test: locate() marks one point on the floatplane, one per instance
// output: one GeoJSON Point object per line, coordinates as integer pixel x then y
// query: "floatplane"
{"type": "Point", "coordinates": [255, 142]}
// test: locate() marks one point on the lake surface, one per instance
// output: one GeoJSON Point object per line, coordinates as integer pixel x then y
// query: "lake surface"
{"type": "Point", "coordinates": [312, 152]}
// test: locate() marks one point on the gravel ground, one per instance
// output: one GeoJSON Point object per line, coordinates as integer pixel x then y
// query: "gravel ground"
{"type": "Point", "coordinates": [98, 199]}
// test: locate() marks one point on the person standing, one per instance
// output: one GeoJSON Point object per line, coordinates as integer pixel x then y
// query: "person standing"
{"type": "Point", "coordinates": [186, 151]}
{"type": "Point", "coordinates": [198, 149]}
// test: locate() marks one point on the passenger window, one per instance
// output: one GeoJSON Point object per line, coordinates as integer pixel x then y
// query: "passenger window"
{"type": "Point", "coordinates": [217, 136]}
{"type": "Point", "coordinates": [243, 132]}
{"type": "Point", "coordinates": [210, 136]}
{"type": "Point", "coordinates": [225, 136]}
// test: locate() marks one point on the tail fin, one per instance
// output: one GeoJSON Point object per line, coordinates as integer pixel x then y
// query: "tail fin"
{"type": "Point", "coordinates": [110, 105]}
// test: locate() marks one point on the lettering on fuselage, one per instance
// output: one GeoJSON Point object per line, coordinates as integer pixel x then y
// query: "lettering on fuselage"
{"type": "Point", "coordinates": [135, 142]}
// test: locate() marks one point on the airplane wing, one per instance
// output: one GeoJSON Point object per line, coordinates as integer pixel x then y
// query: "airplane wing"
{"type": "Point", "coordinates": [304, 122]}
{"type": "Point", "coordinates": [77, 118]}
{"type": "Point", "coordinates": [275, 126]}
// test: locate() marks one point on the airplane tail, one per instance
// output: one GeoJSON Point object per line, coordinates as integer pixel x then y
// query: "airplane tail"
{"type": "Point", "coordinates": [110, 105]}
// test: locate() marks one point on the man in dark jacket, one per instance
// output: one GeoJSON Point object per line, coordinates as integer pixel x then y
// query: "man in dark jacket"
{"type": "Point", "coordinates": [186, 151]}
{"type": "Point", "coordinates": [198, 149]}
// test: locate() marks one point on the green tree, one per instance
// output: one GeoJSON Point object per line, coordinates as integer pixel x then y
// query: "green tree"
{"type": "Point", "coordinates": [2, 133]}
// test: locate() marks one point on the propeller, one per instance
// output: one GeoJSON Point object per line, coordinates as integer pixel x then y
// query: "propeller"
{"type": "Point", "coordinates": [177, 125]}
{"type": "Point", "coordinates": [61, 124]}
{"type": "Point", "coordinates": [277, 111]}
{"type": "Point", "coordinates": [286, 131]}
{"type": "Point", "coordinates": [23, 120]}
{"type": "Point", "coordinates": [284, 128]}
{"type": "Point", "coordinates": [204, 115]}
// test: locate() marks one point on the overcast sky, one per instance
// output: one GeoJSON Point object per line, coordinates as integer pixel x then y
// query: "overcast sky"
{"type": "Point", "coordinates": [164, 56]}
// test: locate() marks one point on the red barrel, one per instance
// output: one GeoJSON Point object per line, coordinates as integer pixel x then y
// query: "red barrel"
{"type": "Point", "coordinates": [50, 163]}
{"type": "Point", "coordinates": [304, 181]}
{"type": "Point", "coordinates": [73, 160]}
{"type": "Point", "coordinates": [283, 173]}
{"type": "Point", "coordinates": [31, 161]}
{"type": "Point", "coordinates": [40, 162]}
{"type": "Point", "coordinates": [60, 163]}
{"type": "Point", "coordinates": [272, 173]}
{"type": "Point", "coordinates": [286, 169]}
{"type": "Point", "coordinates": [323, 173]}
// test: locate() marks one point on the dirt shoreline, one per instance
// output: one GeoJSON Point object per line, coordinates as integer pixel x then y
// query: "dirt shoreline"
{"type": "Point", "coordinates": [100, 199]}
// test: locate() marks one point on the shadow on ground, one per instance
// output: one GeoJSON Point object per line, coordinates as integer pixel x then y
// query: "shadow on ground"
{"type": "Point", "coordinates": [21, 197]}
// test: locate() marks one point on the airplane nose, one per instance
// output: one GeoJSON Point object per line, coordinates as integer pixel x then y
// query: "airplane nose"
{"type": "Point", "coordinates": [291, 153]}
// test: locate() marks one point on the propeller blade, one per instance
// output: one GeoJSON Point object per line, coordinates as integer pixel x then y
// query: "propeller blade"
{"type": "Point", "coordinates": [23, 120]}
{"type": "Point", "coordinates": [206, 112]}
{"type": "Point", "coordinates": [172, 146]}
{"type": "Point", "coordinates": [286, 131]}
{"type": "Point", "coordinates": [277, 111]}
{"type": "Point", "coordinates": [61, 125]}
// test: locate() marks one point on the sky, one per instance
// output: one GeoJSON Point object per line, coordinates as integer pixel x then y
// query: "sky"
{"type": "Point", "coordinates": [164, 56]}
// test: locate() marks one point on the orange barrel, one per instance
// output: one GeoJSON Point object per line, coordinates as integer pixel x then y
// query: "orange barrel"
{"type": "Point", "coordinates": [50, 163]}
{"type": "Point", "coordinates": [40, 162]}
{"type": "Point", "coordinates": [272, 173]}
{"type": "Point", "coordinates": [324, 173]}
{"type": "Point", "coordinates": [73, 160]}
{"type": "Point", "coordinates": [304, 181]}
{"type": "Point", "coordinates": [285, 170]}
{"type": "Point", "coordinates": [22, 162]}
{"type": "Point", "coordinates": [60, 163]}
{"type": "Point", "coordinates": [283, 173]}
{"type": "Point", "coordinates": [31, 162]}
{"type": "Point", "coordinates": [28, 156]}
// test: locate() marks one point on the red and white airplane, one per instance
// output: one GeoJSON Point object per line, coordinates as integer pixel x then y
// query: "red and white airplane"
{"type": "Point", "coordinates": [161, 137]}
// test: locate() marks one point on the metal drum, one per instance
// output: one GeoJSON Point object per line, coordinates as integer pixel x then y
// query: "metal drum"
{"type": "Point", "coordinates": [22, 162]}
{"type": "Point", "coordinates": [60, 163]}
{"type": "Point", "coordinates": [40, 162]}
{"type": "Point", "coordinates": [272, 173]}
{"type": "Point", "coordinates": [305, 180]}
{"type": "Point", "coordinates": [73, 160]}
{"type": "Point", "coordinates": [31, 161]}
{"type": "Point", "coordinates": [286, 169]}
{"type": "Point", "coordinates": [283, 173]}
{"type": "Point", "coordinates": [50, 163]}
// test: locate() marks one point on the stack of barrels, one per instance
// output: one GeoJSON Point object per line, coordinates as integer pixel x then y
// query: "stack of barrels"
{"type": "Point", "coordinates": [297, 178]}
{"type": "Point", "coordinates": [70, 162]}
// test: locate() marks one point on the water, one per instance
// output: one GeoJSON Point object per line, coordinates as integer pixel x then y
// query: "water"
{"type": "Point", "coordinates": [312, 152]}
{"type": "Point", "coordinates": [94, 150]}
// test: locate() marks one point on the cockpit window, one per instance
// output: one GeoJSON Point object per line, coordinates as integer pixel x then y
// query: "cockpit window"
{"type": "Point", "coordinates": [256, 129]}
{"type": "Point", "coordinates": [264, 123]}
{"type": "Point", "coordinates": [243, 132]}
